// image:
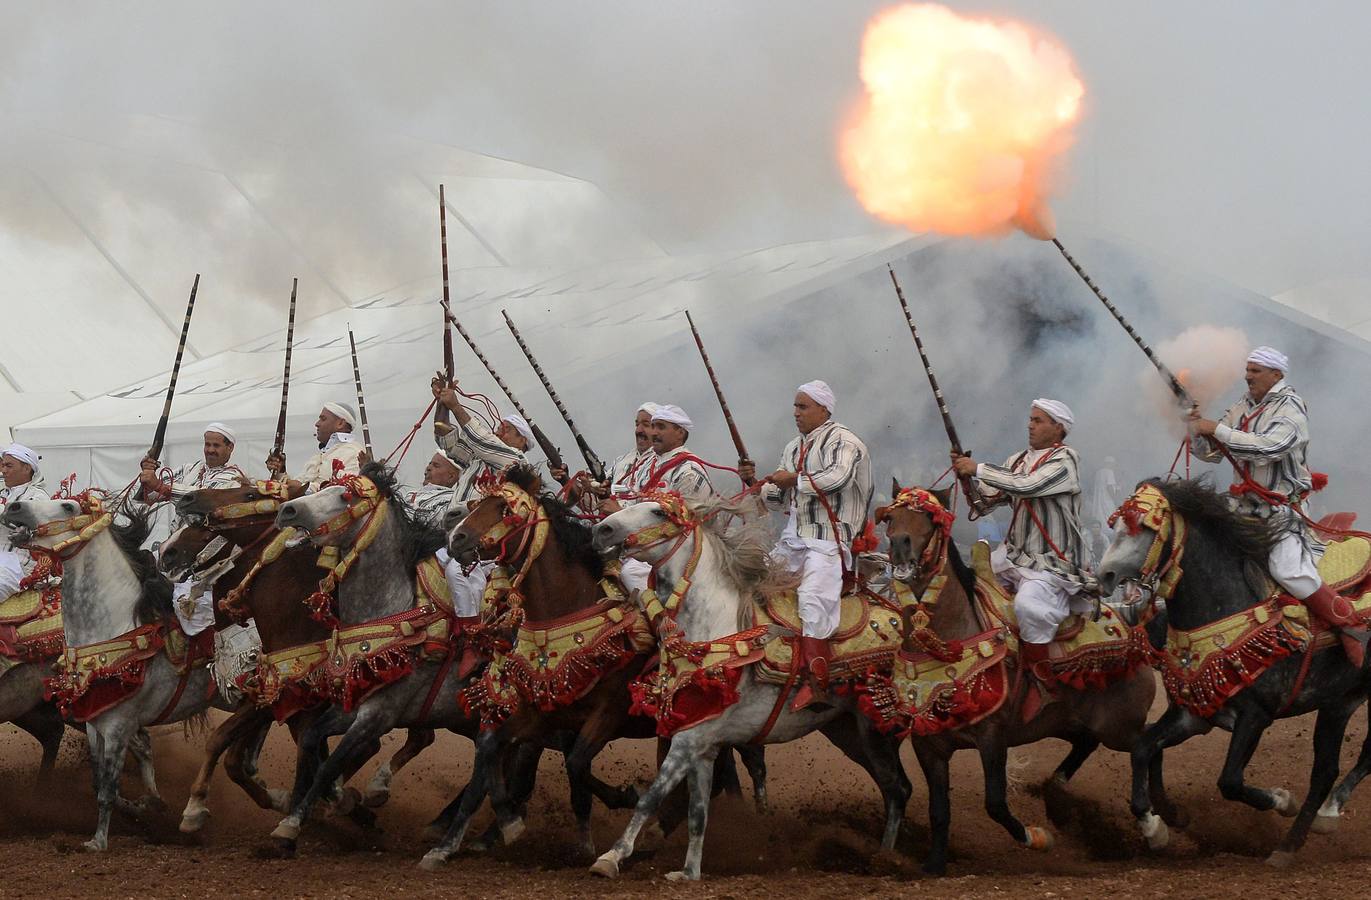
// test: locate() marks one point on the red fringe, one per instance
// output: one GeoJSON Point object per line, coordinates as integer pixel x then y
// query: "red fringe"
{"type": "Point", "coordinates": [1223, 674]}
{"type": "Point", "coordinates": [106, 691]}
{"type": "Point", "coordinates": [367, 675]}
{"type": "Point", "coordinates": [705, 694]}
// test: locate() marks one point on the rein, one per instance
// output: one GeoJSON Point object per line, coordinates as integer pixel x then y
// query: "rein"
{"type": "Point", "coordinates": [527, 522]}
{"type": "Point", "coordinates": [1148, 508]}
{"type": "Point", "coordinates": [83, 527]}
{"type": "Point", "coordinates": [364, 501]}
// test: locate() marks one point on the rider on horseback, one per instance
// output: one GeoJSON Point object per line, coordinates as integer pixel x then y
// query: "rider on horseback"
{"type": "Point", "coordinates": [337, 444]}
{"type": "Point", "coordinates": [824, 483]}
{"type": "Point", "coordinates": [1043, 557]}
{"type": "Point", "coordinates": [626, 478]}
{"type": "Point", "coordinates": [1267, 432]}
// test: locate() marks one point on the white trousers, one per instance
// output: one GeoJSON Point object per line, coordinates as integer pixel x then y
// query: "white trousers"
{"type": "Point", "coordinates": [11, 569]}
{"type": "Point", "coordinates": [1294, 567]}
{"type": "Point", "coordinates": [466, 587]}
{"type": "Point", "coordinates": [1042, 600]}
{"type": "Point", "coordinates": [194, 609]}
{"type": "Point", "coordinates": [820, 568]}
{"type": "Point", "coordinates": [633, 574]}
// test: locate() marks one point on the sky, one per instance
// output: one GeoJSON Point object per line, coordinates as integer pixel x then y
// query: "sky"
{"type": "Point", "coordinates": [1231, 137]}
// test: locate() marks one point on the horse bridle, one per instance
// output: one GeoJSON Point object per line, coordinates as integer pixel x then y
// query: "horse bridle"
{"type": "Point", "coordinates": [1161, 570]}
{"type": "Point", "coordinates": [229, 515]}
{"type": "Point", "coordinates": [934, 555]}
{"type": "Point", "coordinates": [84, 527]}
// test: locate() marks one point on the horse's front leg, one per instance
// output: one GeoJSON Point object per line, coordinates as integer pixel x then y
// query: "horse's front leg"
{"type": "Point", "coordinates": [107, 758]}
{"type": "Point", "coordinates": [378, 789]}
{"type": "Point", "coordinates": [1176, 726]}
{"type": "Point", "coordinates": [1331, 811]}
{"type": "Point", "coordinates": [701, 776]}
{"type": "Point", "coordinates": [933, 760]}
{"type": "Point", "coordinates": [368, 724]}
{"type": "Point", "coordinates": [1247, 733]}
{"type": "Point", "coordinates": [675, 765]}
{"type": "Point", "coordinates": [232, 729]}
{"type": "Point", "coordinates": [994, 751]}
{"type": "Point", "coordinates": [1329, 729]}
{"type": "Point", "coordinates": [489, 747]}
{"type": "Point", "coordinates": [754, 760]}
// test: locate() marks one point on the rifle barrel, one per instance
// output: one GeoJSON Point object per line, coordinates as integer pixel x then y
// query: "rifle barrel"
{"type": "Point", "coordinates": [361, 401]}
{"type": "Point", "coordinates": [718, 391]}
{"type": "Point", "coordinates": [593, 463]}
{"type": "Point", "coordinates": [440, 412]}
{"type": "Point", "coordinates": [278, 448]}
{"type": "Point", "coordinates": [160, 435]}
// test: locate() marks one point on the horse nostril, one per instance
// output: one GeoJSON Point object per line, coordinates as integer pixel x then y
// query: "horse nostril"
{"type": "Point", "coordinates": [286, 513]}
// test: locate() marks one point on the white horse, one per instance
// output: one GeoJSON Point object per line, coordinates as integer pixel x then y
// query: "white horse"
{"type": "Point", "coordinates": [718, 603]}
{"type": "Point", "coordinates": [109, 588]}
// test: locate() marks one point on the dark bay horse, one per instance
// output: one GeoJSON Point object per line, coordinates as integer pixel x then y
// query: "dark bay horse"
{"type": "Point", "coordinates": [1222, 577]}
{"type": "Point", "coordinates": [1114, 716]}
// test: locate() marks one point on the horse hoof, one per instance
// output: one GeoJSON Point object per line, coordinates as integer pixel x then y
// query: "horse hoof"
{"type": "Point", "coordinates": [349, 798]}
{"type": "Point", "coordinates": [1324, 824]}
{"type": "Point", "coordinates": [280, 800]}
{"type": "Point", "coordinates": [94, 846]}
{"type": "Point", "coordinates": [433, 861]}
{"type": "Point", "coordinates": [1154, 830]}
{"type": "Point", "coordinates": [287, 831]}
{"type": "Point", "coordinates": [680, 876]}
{"type": "Point", "coordinates": [1036, 838]}
{"type": "Point", "coordinates": [512, 831]}
{"type": "Point", "coordinates": [194, 822]}
{"type": "Point", "coordinates": [606, 866]}
{"type": "Point", "coordinates": [1283, 803]}
{"type": "Point", "coordinates": [375, 798]}
{"type": "Point", "coordinates": [1281, 859]}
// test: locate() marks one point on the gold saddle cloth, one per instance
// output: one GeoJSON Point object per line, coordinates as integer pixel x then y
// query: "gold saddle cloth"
{"type": "Point", "coordinates": [867, 637]}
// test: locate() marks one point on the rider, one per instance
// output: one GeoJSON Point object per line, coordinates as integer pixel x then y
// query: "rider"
{"type": "Point", "coordinates": [1267, 434]}
{"type": "Point", "coordinates": [824, 484]}
{"type": "Point", "coordinates": [213, 471]}
{"type": "Point", "coordinates": [629, 470]}
{"type": "Point", "coordinates": [337, 444]}
{"type": "Point", "coordinates": [430, 502]}
{"type": "Point", "coordinates": [672, 467]}
{"type": "Point", "coordinates": [22, 481]}
{"type": "Point", "coordinates": [1043, 557]}
{"type": "Point", "coordinates": [489, 452]}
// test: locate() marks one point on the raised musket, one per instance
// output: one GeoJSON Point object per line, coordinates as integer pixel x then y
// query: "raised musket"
{"type": "Point", "coordinates": [554, 456]}
{"type": "Point", "coordinates": [361, 401]}
{"type": "Point", "coordinates": [278, 447]}
{"type": "Point", "coordinates": [719, 393]}
{"type": "Point", "coordinates": [441, 413]}
{"type": "Point", "coordinates": [159, 436]}
{"type": "Point", "coordinates": [593, 463]}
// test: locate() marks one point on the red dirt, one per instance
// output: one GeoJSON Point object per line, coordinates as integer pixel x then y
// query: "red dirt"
{"type": "Point", "coordinates": [819, 841]}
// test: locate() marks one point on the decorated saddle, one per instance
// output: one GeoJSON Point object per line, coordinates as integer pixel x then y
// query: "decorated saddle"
{"type": "Point", "coordinates": [31, 626]}
{"type": "Point", "coordinates": [946, 684]}
{"type": "Point", "coordinates": [868, 635]}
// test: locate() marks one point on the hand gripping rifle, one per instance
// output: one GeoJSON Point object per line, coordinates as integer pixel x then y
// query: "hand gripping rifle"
{"type": "Point", "coordinates": [719, 393]}
{"type": "Point", "coordinates": [361, 401]}
{"type": "Point", "coordinates": [973, 497]}
{"type": "Point", "coordinates": [440, 412]}
{"type": "Point", "coordinates": [593, 463]}
{"type": "Point", "coordinates": [159, 436]}
{"type": "Point", "coordinates": [554, 457]}
{"type": "Point", "coordinates": [278, 447]}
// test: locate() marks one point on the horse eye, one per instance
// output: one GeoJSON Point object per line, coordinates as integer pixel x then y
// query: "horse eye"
{"type": "Point", "coordinates": [659, 513]}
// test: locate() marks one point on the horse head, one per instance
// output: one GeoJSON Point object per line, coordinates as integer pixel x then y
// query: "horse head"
{"type": "Point", "coordinates": [254, 502]}
{"type": "Point", "coordinates": [333, 514]}
{"type": "Point", "coordinates": [1143, 528]}
{"type": "Point", "coordinates": [179, 553]}
{"type": "Point", "coordinates": [498, 524]}
{"type": "Point", "coordinates": [918, 523]}
{"type": "Point", "coordinates": [650, 530]}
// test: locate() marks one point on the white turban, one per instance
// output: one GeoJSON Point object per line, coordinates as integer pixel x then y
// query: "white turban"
{"type": "Point", "coordinates": [221, 428]}
{"type": "Point", "coordinates": [820, 393]}
{"type": "Point", "coordinates": [520, 425]}
{"type": "Point", "coordinates": [1271, 358]}
{"type": "Point", "coordinates": [649, 407]}
{"type": "Point", "coordinates": [673, 414]}
{"type": "Point", "coordinates": [24, 455]}
{"type": "Point", "coordinates": [342, 411]}
{"type": "Point", "coordinates": [1059, 411]}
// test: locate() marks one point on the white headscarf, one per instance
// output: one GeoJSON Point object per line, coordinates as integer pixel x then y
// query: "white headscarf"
{"type": "Point", "coordinates": [1271, 358]}
{"type": "Point", "coordinates": [820, 393]}
{"type": "Point", "coordinates": [521, 425]}
{"type": "Point", "coordinates": [673, 414]}
{"type": "Point", "coordinates": [1059, 411]}
{"type": "Point", "coordinates": [24, 455]}
{"type": "Point", "coordinates": [649, 407]}
{"type": "Point", "coordinates": [342, 411]}
{"type": "Point", "coordinates": [221, 428]}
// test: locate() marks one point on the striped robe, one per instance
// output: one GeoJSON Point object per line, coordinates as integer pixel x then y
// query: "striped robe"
{"type": "Point", "coordinates": [195, 476]}
{"type": "Point", "coordinates": [837, 463]}
{"type": "Point", "coordinates": [1051, 489]}
{"type": "Point", "coordinates": [1270, 439]}
{"type": "Point", "coordinates": [429, 503]}
{"type": "Point", "coordinates": [689, 478]}
{"type": "Point", "coordinates": [487, 455]}
{"type": "Point", "coordinates": [29, 490]}
{"type": "Point", "coordinates": [629, 471]}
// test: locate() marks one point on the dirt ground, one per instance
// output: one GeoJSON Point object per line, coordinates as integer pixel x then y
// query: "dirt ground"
{"type": "Point", "coordinates": [819, 840]}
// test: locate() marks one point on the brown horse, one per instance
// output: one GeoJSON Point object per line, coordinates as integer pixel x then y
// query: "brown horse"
{"type": "Point", "coordinates": [244, 517]}
{"type": "Point", "coordinates": [559, 582]}
{"type": "Point", "coordinates": [1115, 716]}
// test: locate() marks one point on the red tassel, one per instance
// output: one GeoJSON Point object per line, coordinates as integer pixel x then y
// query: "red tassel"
{"type": "Point", "coordinates": [1318, 480]}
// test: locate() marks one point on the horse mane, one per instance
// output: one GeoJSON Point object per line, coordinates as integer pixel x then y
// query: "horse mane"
{"type": "Point", "coordinates": [965, 577]}
{"type": "Point", "coordinates": [744, 544]}
{"type": "Point", "coordinates": [418, 539]}
{"type": "Point", "coordinates": [572, 534]}
{"type": "Point", "coordinates": [154, 596]}
{"type": "Point", "coordinates": [525, 477]}
{"type": "Point", "coordinates": [1203, 507]}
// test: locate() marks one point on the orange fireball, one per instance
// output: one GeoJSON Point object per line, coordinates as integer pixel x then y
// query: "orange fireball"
{"type": "Point", "coordinates": [962, 123]}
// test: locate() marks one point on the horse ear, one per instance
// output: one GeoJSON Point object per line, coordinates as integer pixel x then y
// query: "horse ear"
{"type": "Point", "coordinates": [944, 496]}
{"type": "Point", "coordinates": [894, 486]}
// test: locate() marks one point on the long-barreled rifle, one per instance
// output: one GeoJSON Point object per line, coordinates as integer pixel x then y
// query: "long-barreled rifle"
{"type": "Point", "coordinates": [593, 463]}
{"type": "Point", "coordinates": [554, 456]}
{"type": "Point", "coordinates": [441, 413]}
{"type": "Point", "coordinates": [719, 393]}
{"type": "Point", "coordinates": [361, 401]}
{"type": "Point", "coordinates": [159, 436]}
{"type": "Point", "coordinates": [278, 447]}
{"type": "Point", "coordinates": [973, 497]}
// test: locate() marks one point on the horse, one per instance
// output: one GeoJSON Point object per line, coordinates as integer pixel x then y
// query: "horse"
{"type": "Point", "coordinates": [918, 524]}
{"type": "Point", "coordinates": [717, 577]}
{"type": "Point", "coordinates": [244, 518]}
{"type": "Point", "coordinates": [558, 576]}
{"type": "Point", "coordinates": [1279, 674]}
{"type": "Point", "coordinates": [120, 630]}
